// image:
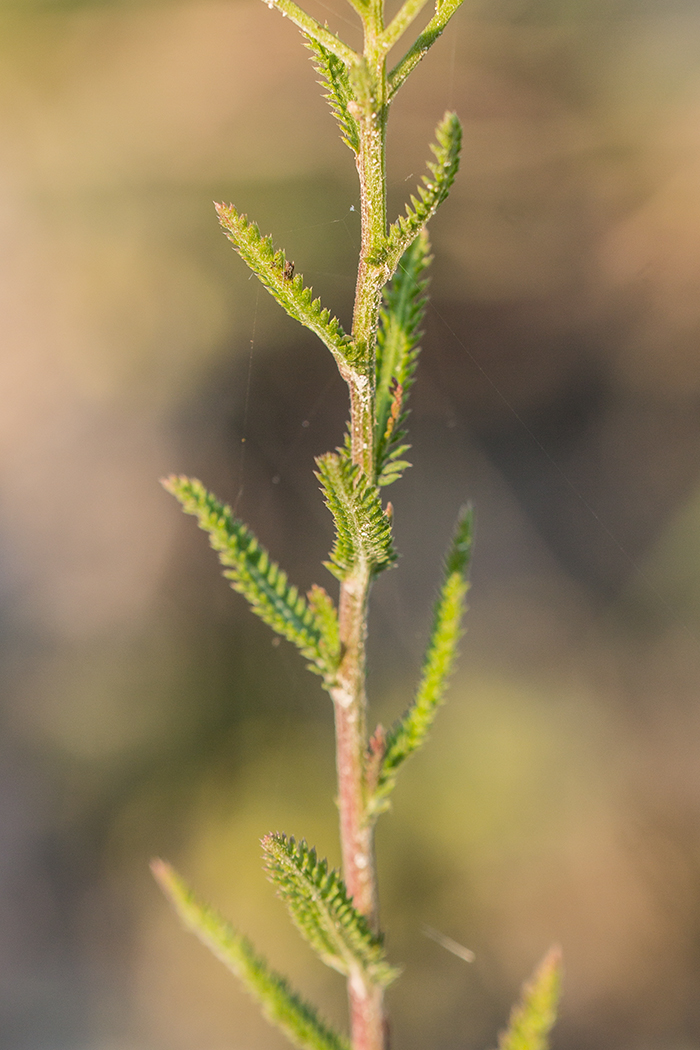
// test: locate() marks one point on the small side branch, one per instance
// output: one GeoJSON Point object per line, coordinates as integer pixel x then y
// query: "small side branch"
{"type": "Point", "coordinates": [312, 28]}
{"type": "Point", "coordinates": [425, 41]}
{"type": "Point", "coordinates": [400, 23]}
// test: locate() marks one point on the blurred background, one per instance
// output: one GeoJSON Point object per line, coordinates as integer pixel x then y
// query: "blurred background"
{"type": "Point", "coordinates": [146, 712]}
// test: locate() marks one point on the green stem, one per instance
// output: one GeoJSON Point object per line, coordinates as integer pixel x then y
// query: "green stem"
{"type": "Point", "coordinates": [371, 113]}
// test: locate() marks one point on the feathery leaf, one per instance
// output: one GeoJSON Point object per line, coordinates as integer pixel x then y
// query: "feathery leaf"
{"type": "Point", "coordinates": [282, 1007]}
{"type": "Point", "coordinates": [272, 269]}
{"type": "Point", "coordinates": [321, 909]}
{"type": "Point", "coordinates": [433, 192]}
{"type": "Point", "coordinates": [326, 616]}
{"type": "Point", "coordinates": [397, 357]}
{"type": "Point", "coordinates": [334, 77]}
{"type": "Point", "coordinates": [411, 731]}
{"type": "Point", "coordinates": [260, 580]}
{"type": "Point", "coordinates": [533, 1018]}
{"type": "Point", "coordinates": [363, 529]}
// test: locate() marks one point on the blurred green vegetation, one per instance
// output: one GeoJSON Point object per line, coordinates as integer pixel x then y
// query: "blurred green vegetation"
{"type": "Point", "coordinates": [144, 710]}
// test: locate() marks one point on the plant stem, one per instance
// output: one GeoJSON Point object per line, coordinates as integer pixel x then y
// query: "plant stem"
{"type": "Point", "coordinates": [356, 831]}
{"type": "Point", "coordinates": [368, 1023]}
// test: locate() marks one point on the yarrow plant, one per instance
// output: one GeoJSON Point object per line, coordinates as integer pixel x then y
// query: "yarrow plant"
{"type": "Point", "coordinates": [337, 912]}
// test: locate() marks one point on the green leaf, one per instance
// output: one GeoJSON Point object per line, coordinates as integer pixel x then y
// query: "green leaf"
{"type": "Point", "coordinates": [334, 77]}
{"type": "Point", "coordinates": [321, 908]}
{"type": "Point", "coordinates": [366, 90]}
{"type": "Point", "coordinates": [412, 730]}
{"type": "Point", "coordinates": [397, 357]}
{"type": "Point", "coordinates": [533, 1018]}
{"type": "Point", "coordinates": [326, 615]}
{"type": "Point", "coordinates": [273, 270]}
{"type": "Point", "coordinates": [444, 10]}
{"type": "Point", "coordinates": [433, 192]}
{"type": "Point", "coordinates": [363, 529]}
{"type": "Point", "coordinates": [282, 1007]}
{"type": "Point", "coordinates": [261, 581]}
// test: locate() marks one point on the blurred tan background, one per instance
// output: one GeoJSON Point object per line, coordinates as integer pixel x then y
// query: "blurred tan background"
{"type": "Point", "coordinates": [145, 711]}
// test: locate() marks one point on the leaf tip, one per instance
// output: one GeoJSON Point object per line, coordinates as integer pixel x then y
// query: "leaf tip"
{"type": "Point", "coordinates": [164, 875]}
{"type": "Point", "coordinates": [549, 972]}
{"type": "Point", "coordinates": [534, 1016]}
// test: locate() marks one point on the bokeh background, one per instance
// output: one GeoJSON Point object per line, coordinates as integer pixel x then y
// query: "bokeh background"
{"type": "Point", "coordinates": [146, 712]}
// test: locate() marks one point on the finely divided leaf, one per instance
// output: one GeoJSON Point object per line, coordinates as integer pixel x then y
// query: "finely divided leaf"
{"type": "Point", "coordinates": [533, 1018]}
{"type": "Point", "coordinates": [278, 277]}
{"type": "Point", "coordinates": [363, 529]}
{"type": "Point", "coordinates": [321, 908]}
{"type": "Point", "coordinates": [326, 614]}
{"type": "Point", "coordinates": [282, 1007]}
{"type": "Point", "coordinates": [334, 77]}
{"type": "Point", "coordinates": [397, 356]}
{"type": "Point", "coordinates": [412, 730]}
{"type": "Point", "coordinates": [261, 581]}
{"type": "Point", "coordinates": [433, 192]}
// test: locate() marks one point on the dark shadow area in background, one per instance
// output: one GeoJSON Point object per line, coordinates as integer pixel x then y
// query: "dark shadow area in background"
{"type": "Point", "coordinates": [599, 469]}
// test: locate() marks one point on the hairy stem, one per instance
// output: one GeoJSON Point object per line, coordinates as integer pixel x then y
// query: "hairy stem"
{"type": "Point", "coordinates": [351, 732]}
{"type": "Point", "coordinates": [356, 832]}
{"type": "Point", "coordinates": [368, 1023]}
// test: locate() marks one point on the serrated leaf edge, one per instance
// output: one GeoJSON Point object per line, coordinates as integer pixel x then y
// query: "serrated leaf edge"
{"type": "Point", "coordinates": [271, 268]}
{"type": "Point", "coordinates": [433, 191]}
{"type": "Point", "coordinates": [363, 528]}
{"type": "Point", "coordinates": [260, 580]}
{"type": "Point", "coordinates": [283, 1007]}
{"type": "Point", "coordinates": [411, 731]}
{"type": "Point", "coordinates": [534, 1015]}
{"type": "Point", "coordinates": [398, 349]}
{"type": "Point", "coordinates": [336, 82]}
{"type": "Point", "coordinates": [321, 909]}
